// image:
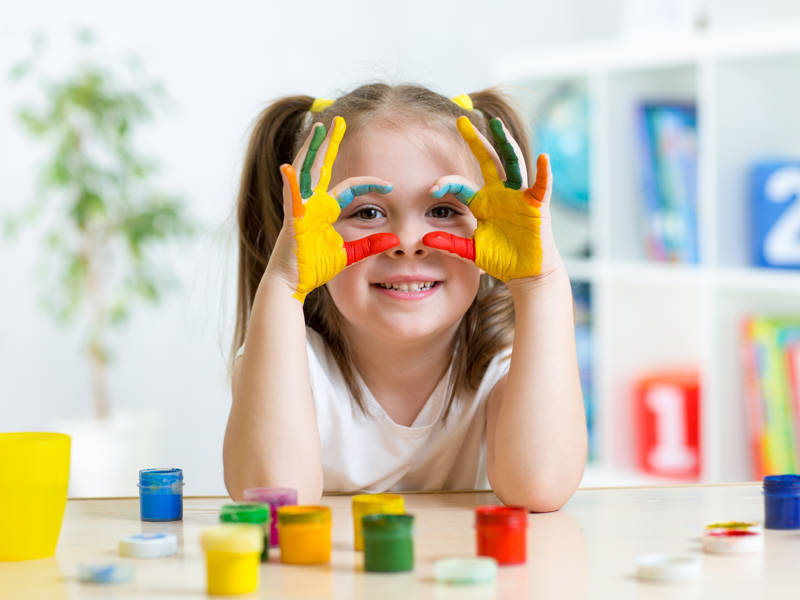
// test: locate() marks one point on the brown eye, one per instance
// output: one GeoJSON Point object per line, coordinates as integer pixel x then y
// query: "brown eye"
{"type": "Point", "coordinates": [368, 213]}
{"type": "Point", "coordinates": [443, 212]}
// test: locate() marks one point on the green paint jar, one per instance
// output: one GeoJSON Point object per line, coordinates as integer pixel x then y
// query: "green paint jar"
{"type": "Point", "coordinates": [388, 543]}
{"type": "Point", "coordinates": [249, 512]}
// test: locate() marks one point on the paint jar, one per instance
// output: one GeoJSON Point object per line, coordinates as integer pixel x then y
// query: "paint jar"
{"type": "Point", "coordinates": [501, 533]}
{"type": "Point", "coordinates": [275, 497]}
{"type": "Point", "coordinates": [388, 543]}
{"type": "Point", "coordinates": [233, 555]}
{"type": "Point", "coordinates": [249, 512]}
{"type": "Point", "coordinates": [370, 504]}
{"type": "Point", "coordinates": [782, 501]}
{"type": "Point", "coordinates": [34, 476]}
{"type": "Point", "coordinates": [161, 494]}
{"type": "Point", "coordinates": [305, 534]}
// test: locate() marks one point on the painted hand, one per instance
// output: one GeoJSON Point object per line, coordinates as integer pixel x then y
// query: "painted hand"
{"type": "Point", "coordinates": [320, 250]}
{"type": "Point", "coordinates": [513, 238]}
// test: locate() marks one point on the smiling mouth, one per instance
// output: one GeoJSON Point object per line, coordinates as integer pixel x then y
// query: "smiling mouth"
{"type": "Point", "coordinates": [411, 286]}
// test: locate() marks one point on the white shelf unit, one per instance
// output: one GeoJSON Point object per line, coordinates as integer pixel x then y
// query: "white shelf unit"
{"type": "Point", "coordinates": [647, 314]}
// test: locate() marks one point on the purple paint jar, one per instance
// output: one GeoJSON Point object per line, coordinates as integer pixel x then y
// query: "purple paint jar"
{"type": "Point", "coordinates": [275, 497]}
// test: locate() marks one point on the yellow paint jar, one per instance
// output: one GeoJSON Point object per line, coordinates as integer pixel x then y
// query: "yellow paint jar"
{"type": "Point", "coordinates": [34, 475]}
{"type": "Point", "coordinates": [304, 534]}
{"type": "Point", "coordinates": [373, 504]}
{"type": "Point", "coordinates": [233, 554]}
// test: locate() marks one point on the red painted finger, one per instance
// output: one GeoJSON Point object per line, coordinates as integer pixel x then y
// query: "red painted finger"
{"type": "Point", "coordinates": [367, 246]}
{"type": "Point", "coordinates": [441, 240]}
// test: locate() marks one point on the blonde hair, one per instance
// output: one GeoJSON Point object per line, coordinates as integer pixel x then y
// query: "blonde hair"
{"type": "Point", "coordinates": [486, 328]}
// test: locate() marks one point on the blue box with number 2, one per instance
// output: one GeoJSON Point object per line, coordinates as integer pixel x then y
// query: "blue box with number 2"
{"type": "Point", "coordinates": [775, 213]}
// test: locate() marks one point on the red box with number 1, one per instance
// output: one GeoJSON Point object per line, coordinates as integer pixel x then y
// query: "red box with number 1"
{"type": "Point", "coordinates": [667, 418]}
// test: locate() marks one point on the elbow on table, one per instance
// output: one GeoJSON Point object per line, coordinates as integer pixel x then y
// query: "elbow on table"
{"type": "Point", "coordinates": [539, 498]}
{"type": "Point", "coordinates": [307, 493]}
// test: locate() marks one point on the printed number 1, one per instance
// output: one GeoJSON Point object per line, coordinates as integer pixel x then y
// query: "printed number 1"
{"type": "Point", "coordinates": [671, 453]}
{"type": "Point", "coordinates": [782, 242]}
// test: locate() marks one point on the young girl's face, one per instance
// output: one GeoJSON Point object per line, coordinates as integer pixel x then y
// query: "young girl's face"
{"type": "Point", "coordinates": [379, 296]}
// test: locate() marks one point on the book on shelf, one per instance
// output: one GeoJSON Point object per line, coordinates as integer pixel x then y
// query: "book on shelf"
{"type": "Point", "coordinates": [667, 133]}
{"type": "Point", "coordinates": [771, 357]}
{"type": "Point", "coordinates": [582, 295]}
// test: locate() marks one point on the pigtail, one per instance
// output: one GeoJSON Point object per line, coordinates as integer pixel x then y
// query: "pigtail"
{"type": "Point", "coordinates": [259, 205]}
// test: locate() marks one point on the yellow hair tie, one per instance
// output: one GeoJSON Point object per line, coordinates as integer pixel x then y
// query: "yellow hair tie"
{"type": "Point", "coordinates": [320, 104]}
{"type": "Point", "coordinates": [464, 101]}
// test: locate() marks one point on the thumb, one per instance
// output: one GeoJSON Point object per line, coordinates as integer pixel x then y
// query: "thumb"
{"type": "Point", "coordinates": [441, 240]}
{"type": "Point", "coordinates": [367, 246]}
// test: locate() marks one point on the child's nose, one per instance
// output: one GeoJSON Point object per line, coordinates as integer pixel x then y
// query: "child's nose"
{"type": "Point", "coordinates": [410, 246]}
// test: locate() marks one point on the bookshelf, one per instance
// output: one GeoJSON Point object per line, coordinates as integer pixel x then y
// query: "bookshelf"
{"type": "Point", "coordinates": [647, 314]}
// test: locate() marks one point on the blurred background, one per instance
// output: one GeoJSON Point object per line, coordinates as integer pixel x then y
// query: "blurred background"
{"type": "Point", "coordinates": [675, 138]}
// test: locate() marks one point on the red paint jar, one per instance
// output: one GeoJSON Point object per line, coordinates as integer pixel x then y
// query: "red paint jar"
{"type": "Point", "coordinates": [501, 533]}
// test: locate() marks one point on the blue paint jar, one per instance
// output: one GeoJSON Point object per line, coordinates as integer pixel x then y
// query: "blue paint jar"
{"type": "Point", "coordinates": [161, 494]}
{"type": "Point", "coordinates": [782, 501]}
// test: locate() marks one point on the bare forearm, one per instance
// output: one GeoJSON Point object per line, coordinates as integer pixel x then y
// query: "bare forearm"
{"type": "Point", "coordinates": [540, 440]}
{"type": "Point", "coordinates": [272, 437]}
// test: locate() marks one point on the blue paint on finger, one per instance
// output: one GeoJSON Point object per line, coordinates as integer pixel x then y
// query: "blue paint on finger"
{"type": "Point", "coordinates": [463, 193]}
{"type": "Point", "coordinates": [349, 194]}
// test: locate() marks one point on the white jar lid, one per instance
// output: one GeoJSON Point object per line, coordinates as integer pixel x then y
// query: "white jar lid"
{"type": "Point", "coordinates": [733, 541]}
{"type": "Point", "coordinates": [148, 545]}
{"type": "Point", "coordinates": [465, 570]}
{"type": "Point", "coordinates": [106, 573]}
{"type": "Point", "coordinates": [662, 566]}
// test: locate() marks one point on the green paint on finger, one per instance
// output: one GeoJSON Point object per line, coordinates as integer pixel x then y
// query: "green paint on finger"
{"type": "Point", "coordinates": [313, 148]}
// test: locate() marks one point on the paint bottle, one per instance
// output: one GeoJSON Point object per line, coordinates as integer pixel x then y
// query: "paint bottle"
{"type": "Point", "coordinates": [233, 555]}
{"type": "Point", "coordinates": [161, 494]}
{"type": "Point", "coordinates": [501, 533]}
{"type": "Point", "coordinates": [388, 543]}
{"type": "Point", "coordinates": [370, 504]}
{"type": "Point", "coordinates": [782, 501]}
{"type": "Point", "coordinates": [249, 512]}
{"type": "Point", "coordinates": [275, 497]}
{"type": "Point", "coordinates": [305, 534]}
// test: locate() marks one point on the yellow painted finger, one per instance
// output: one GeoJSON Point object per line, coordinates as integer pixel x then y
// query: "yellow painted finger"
{"type": "Point", "coordinates": [337, 133]}
{"type": "Point", "coordinates": [485, 160]}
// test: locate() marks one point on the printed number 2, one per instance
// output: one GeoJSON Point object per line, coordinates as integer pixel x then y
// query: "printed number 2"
{"type": "Point", "coordinates": [782, 242]}
{"type": "Point", "coordinates": [671, 453]}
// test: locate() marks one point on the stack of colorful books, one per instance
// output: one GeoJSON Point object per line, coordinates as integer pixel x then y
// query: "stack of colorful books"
{"type": "Point", "coordinates": [771, 351]}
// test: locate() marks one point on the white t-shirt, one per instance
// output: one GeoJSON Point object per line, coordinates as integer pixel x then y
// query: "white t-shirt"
{"type": "Point", "coordinates": [372, 453]}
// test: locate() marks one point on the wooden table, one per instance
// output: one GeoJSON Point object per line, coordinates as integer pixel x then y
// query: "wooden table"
{"type": "Point", "coordinates": [585, 550]}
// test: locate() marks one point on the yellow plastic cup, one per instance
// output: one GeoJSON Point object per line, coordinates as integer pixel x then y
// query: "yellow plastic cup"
{"type": "Point", "coordinates": [304, 534]}
{"type": "Point", "coordinates": [34, 476]}
{"type": "Point", "coordinates": [233, 554]}
{"type": "Point", "coordinates": [373, 504]}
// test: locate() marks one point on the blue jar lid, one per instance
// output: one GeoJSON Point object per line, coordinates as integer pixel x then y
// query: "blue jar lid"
{"type": "Point", "coordinates": [159, 477]}
{"type": "Point", "coordinates": [787, 484]}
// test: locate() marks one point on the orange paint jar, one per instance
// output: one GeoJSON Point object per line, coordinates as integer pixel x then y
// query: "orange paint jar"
{"type": "Point", "coordinates": [304, 533]}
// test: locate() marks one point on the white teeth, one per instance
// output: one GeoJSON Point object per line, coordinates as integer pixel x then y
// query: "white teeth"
{"type": "Point", "coordinates": [415, 286]}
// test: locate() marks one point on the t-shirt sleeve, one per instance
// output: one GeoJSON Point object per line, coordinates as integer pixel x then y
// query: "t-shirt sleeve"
{"type": "Point", "coordinates": [497, 369]}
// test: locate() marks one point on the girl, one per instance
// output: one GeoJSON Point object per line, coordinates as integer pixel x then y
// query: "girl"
{"type": "Point", "coordinates": [383, 350]}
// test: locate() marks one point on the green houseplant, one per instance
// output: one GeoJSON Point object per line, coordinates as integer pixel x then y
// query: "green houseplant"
{"type": "Point", "coordinates": [97, 206]}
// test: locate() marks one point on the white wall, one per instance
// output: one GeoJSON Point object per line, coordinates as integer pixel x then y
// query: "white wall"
{"type": "Point", "coordinates": [220, 63]}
